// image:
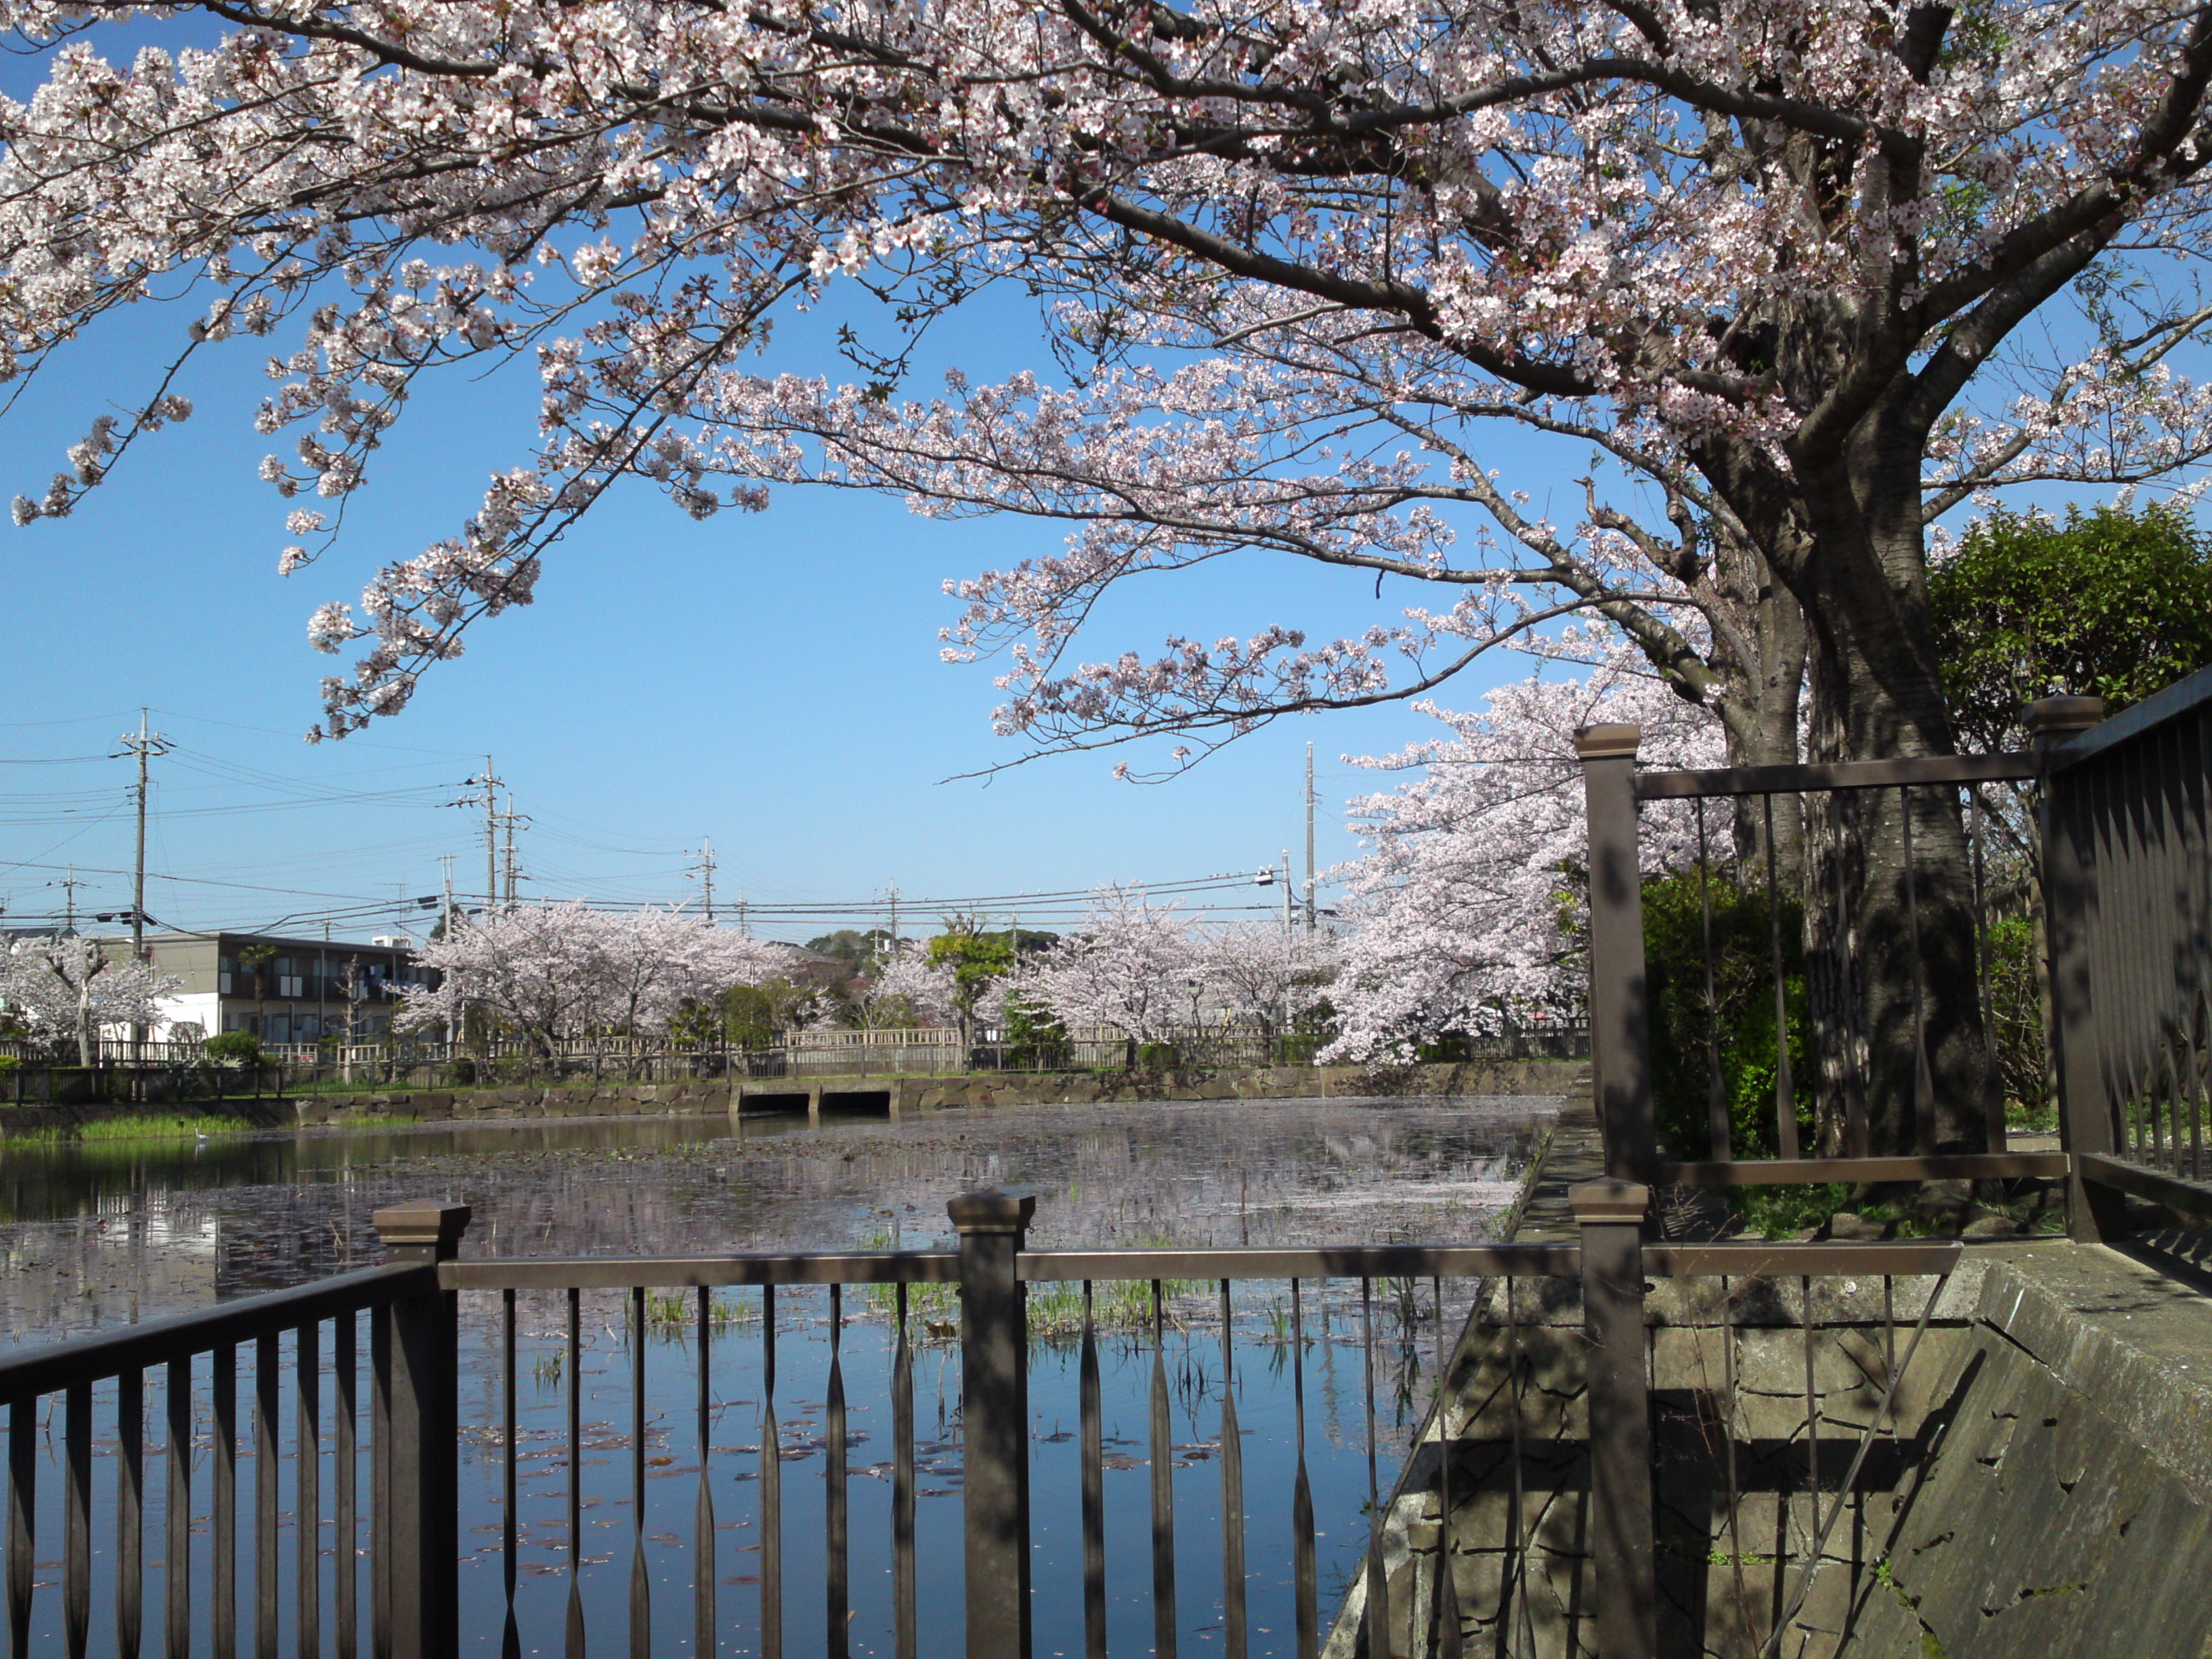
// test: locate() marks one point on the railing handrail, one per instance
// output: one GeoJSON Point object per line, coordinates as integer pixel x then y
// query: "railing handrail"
{"type": "Point", "coordinates": [599, 1272]}
{"type": "Point", "coordinates": [1349, 1262]}
{"type": "Point", "coordinates": [2131, 722]}
{"type": "Point", "coordinates": [95, 1358]}
{"type": "Point", "coordinates": [1802, 777]}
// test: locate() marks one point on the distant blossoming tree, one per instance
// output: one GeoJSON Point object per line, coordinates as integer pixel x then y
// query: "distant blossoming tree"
{"type": "Point", "coordinates": [1260, 973]}
{"type": "Point", "coordinates": [1467, 908]}
{"type": "Point", "coordinates": [67, 986]}
{"type": "Point", "coordinates": [1130, 964]}
{"type": "Point", "coordinates": [552, 972]}
{"type": "Point", "coordinates": [912, 987]}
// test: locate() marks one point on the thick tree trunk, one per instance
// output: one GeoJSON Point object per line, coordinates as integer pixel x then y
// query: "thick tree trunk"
{"type": "Point", "coordinates": [1892, 872]}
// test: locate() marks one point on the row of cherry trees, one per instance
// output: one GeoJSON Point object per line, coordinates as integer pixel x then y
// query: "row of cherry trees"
{"type": "Point", "coordinates": [1151, 971]}
{"type": "Point", "coordinates": [553, 972]}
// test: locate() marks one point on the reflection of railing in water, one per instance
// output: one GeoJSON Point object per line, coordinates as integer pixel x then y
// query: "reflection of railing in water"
{"type": "Point", "coordinates": [413, 1444]}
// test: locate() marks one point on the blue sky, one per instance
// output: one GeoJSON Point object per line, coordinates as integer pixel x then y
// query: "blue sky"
{"type": "Point", "coordinates": [768, 680]}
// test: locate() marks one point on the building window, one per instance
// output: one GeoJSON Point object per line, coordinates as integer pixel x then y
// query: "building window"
{"type": "Point", "coordinates": [222, 983]}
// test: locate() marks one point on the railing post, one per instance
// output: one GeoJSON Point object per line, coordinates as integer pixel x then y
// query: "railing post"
{"type": "Point", "coordinates": [1624, 1583]}
{"type": "Point", "coordinates": [1620, 1037]}
{"type": "Point", "coordinates": [418, 1401]}
{"type": "Point", "coordinates": [994, 1411]}
{"type": "Point", "coordinates": [2069, 876]}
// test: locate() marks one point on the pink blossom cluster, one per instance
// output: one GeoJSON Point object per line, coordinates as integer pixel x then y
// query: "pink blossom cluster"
{"type": "Point", "coordinates": [64, 985]}
{"type": "Point", "coordinates": [550, 972]}
{"type": "Point", "coordinates": [1469, 907]}
{"type": "Point", "coordinates": [1770, 265]}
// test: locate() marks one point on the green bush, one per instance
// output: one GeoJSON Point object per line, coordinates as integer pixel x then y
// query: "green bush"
{"type": "Point", "coordinates": [1743, 1003]}
{"type": "Point", "coordinates": [1156, 1056]}
{"type": "Point", "coordinates": [461, 1074]}
{"type": "Point", "coordinates": [233, 1049]}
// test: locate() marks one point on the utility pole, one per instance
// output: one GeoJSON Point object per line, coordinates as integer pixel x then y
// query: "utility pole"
{"type": "Point", "coordinates": [446, 930]}
{"type": "Point", "coordinates": [894, 938]}
{"type": "Point", "coordinates": [1288, 927]}
{"type": "Point", "coordinates": [1310, 797]}
{"type": "Point", "coordinates": [70, 885]}
{"type": "Point", "coordinates": [507, 820]}
{"type": "Point", "coordinates": [706, 874]}
{"type": "Point", "coordinates": [744, 927]}
{"type": "Point", "coordinates": [145, 744]}
{"type": "Point", "coordinates": [490, 783]}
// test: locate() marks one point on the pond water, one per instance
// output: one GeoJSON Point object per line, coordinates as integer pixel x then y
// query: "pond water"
{"type": "Point", "coordinates": [99, 1234]}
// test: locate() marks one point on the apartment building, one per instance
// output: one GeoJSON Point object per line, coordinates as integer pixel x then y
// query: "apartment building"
{"type": "Point", "coordinates": [282, 990]}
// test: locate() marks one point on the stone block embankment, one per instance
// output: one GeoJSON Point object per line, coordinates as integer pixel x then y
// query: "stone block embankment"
{"type": "Point", "coordinates": [895, 1096]}
{"type": "Point", "coordinates": [2042, 1484]}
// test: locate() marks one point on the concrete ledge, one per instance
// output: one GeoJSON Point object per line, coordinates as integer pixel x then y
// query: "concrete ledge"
{"type": "Point", "coordinates": [2133, 1340]}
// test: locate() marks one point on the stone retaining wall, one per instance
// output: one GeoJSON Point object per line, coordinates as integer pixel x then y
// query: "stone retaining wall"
{"type": "Point", "coordinates": [898, 1095]}
{"type": "Point", "coordinates": [2043, 1484]}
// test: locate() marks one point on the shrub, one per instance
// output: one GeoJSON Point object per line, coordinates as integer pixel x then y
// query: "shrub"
{"type": "Point", "coordinates": [1740, 1020]}
{"type": "Point", "coordinates": [233, 1049]}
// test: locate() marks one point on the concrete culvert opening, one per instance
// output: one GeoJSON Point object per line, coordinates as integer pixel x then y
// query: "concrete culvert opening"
{"type": "Point", "coordinates": [770, 1105]}
{"type": "Point", "coordinates": [859, 1103]}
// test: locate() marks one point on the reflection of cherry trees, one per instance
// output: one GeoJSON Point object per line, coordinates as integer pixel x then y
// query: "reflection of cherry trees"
{"type": "Point", "coordinates": [66, 985]}
{"type": "Point", "coordinates": [563, 970]}
{"type": "Point", "coordinates": [1467, 909]}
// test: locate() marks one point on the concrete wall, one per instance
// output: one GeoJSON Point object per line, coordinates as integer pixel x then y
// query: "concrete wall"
{"type": "Point", "coordinates": [900, 1095]}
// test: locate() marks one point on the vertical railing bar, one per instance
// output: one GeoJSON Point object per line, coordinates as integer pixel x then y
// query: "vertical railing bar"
{"type": "Point", "coordinates": [76, 1520]}
{"type": "Point", "coordinates": [22, 1510]}
{"type": "Point", "coordinates": [1716, 1110]}
{"type": "Point", "coordinates": [345, 1575]}
{"type": "Point", "coordinates": [903, 1488]}
{"type": "Point", "coordinates": [704, 1641]}
{"type": "Point", "coordinates": [1093, 1474]}
{"type": "Point", "coordinates": [130, 1513]}
{"type": "Point", "coordinates": [1378, 1585]}
{"type": "Point", "coordinates": [177, 1511]}
{"type": "Point", "coordinates": [1447, 1643]}
{"type": "Point", "coordinates": [1811, 1327]}
{"type": "Point", "coordinates": [265, 1371]}
{"type": "Point", "coordinates": [510, 1635]}
{"type": "Point", "coordinates": [1306, 1584]}
{"type": "Point", "coordinates": [641, 1586]}
{"type": "Point", "coordinates": [1232, 1494]}
{"type": "Point", "coordinates": [222, 1388]}
{"type": "Point", "coordinates": [307, 1500]}
{"type": "Point", "coordinates": [1786, 1087]}
{"type": "Point", "coordinates": [1850, 998]}
{"type": "Point", "coordinates": [770, 1459]}
{"type": "Point", "coordinates": [1163, 1471]}
{"type": "Point", "coordinates": [1729, 1435]}
{"type": "Point", "coordinates": [1518, 1625]}
{"type": "Point", "coordinates": [835, 1490]}
{"type": "Point", "coordinates": [1993, 1113]}
{"type": "Point", "coordinates": [1924, 1080]}
{"type": "Point", "coordinates": [574, 1640]}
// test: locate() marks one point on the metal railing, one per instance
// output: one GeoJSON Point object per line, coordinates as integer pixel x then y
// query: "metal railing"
{"type": "Point", "coordinates": [301, 1587]}
{"type": "Point", "coordinates": [2128, 884]}
{"type": "Point", "coordinates": [1621, 1012]}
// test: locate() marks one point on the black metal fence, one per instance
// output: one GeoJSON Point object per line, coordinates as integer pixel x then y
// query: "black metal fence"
{"type": "Point", "coordinates": [2120, 836]}
{"type": "Point", "coordinates": [312, 1573]}
{"type": "Point", "coordinates": [2129, 875]}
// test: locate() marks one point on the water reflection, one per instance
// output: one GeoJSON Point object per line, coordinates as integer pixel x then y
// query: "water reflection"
{"type": "Point", "coordinates": [110, 1233]}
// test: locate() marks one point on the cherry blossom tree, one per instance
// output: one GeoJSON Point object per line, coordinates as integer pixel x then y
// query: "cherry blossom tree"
{"type": "Point", "coordinates": [556, 971]}
{"type": "Point", "coordinates": [1466, 911]}
{"type": "Point", "coordinates": [1131, 964]}
{"type": "Point", "coordinates": [1778, 283]}
{"type": "Point", "coordinates": [67, 986]}
{"type": "Point", "coordinates": [1260, 973]}
{"type": "Point", "coordinates": [911, 986]}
